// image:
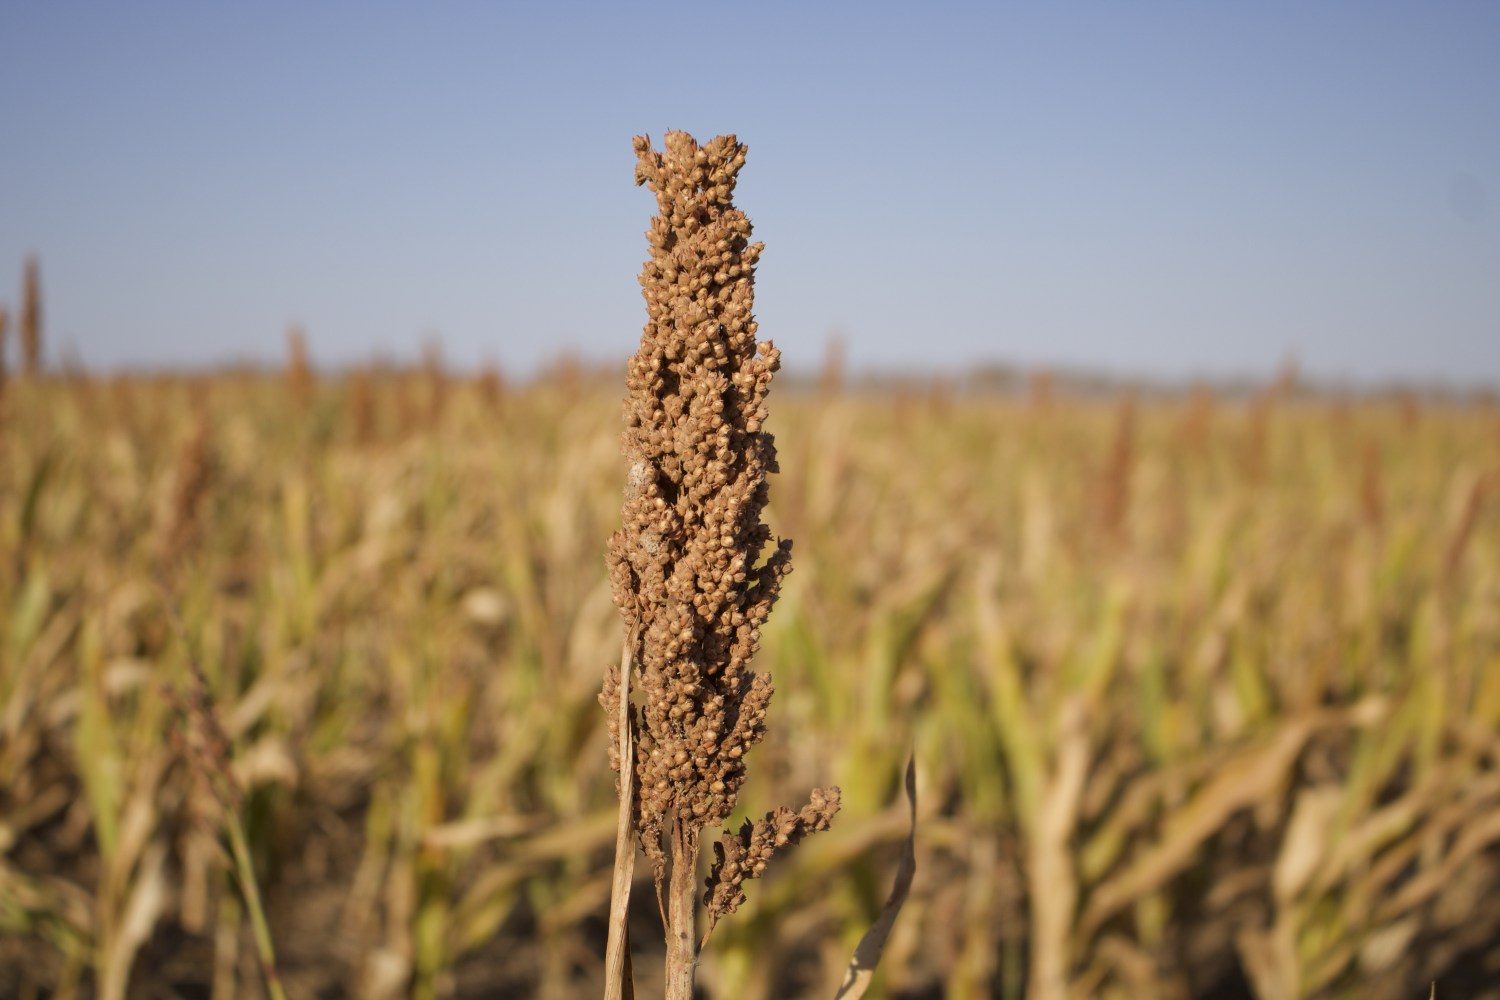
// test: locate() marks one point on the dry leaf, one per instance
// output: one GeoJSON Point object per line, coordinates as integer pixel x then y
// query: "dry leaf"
{"type": "Point", "coordinates": [861, 971]}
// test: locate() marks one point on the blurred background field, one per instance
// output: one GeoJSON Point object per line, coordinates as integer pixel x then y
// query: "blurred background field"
{"type": "Point", "coordinates": [1203, 688]}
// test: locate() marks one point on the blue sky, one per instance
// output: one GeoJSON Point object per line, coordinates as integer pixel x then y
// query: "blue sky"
{"type": "Point", "coordinates": [1169, 189]}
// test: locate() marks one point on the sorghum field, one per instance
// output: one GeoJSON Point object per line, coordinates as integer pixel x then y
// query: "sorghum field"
{"type": "Point", "coordinates": [1203, 693]}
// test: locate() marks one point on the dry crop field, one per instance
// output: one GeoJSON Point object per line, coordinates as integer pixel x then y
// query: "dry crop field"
{"type": "Point", "coordinates": [1204, 694]}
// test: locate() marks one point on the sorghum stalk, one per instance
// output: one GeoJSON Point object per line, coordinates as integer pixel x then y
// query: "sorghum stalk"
{"type": "Point", "coordinates": [31, 317]}
{"type": "Point", "coordinates": [4, 336]}
{"type": "Point", "coordinates": [299, 373]}
{"type": "Point", "coordinates": [689, 567]}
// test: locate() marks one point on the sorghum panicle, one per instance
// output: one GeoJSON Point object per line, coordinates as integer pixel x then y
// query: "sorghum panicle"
{"type": "Point", "coordinates": [743, 855]}
{"type": "Point", "coordinates": [686, 567]}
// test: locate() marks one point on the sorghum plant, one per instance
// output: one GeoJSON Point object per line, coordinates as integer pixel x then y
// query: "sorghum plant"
{"type": "Point", "coordinates": [4, 335]}
{"type": "Point", "coordinates": [31, 318]}
{"type": "Point", "coordinates": [690, 569]}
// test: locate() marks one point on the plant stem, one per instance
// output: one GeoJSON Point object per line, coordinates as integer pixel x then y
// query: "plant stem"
{"type": "Point", "coordinates": [245, 871]}
{"type": "Point", "coordinates": [682, 906]}
{"type": "Point", "coordinates": [617, 980]}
